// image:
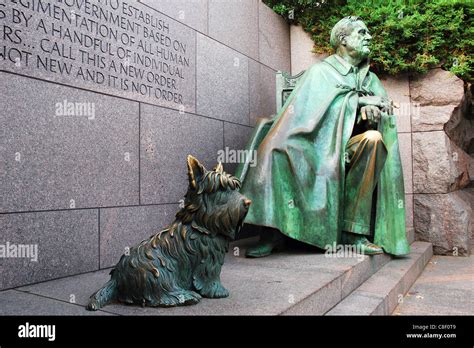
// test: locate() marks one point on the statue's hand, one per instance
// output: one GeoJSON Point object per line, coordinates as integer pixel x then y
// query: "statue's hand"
{"type": "Point", "coordinates": [371, 114]}
{"type": "Point", "coordinates": [382, 103]}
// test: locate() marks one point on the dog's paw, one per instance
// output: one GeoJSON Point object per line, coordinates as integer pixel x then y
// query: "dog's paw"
{"type": "Point", "coordinates": [214, 290]}
{"type": "Point", "coordinates": [93, 305]}
{"type": "Point", "coordinates": [179, 298]}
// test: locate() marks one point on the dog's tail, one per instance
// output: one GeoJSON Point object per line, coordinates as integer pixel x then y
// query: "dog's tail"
{"type": "Point", "coordinates": [103, 296]}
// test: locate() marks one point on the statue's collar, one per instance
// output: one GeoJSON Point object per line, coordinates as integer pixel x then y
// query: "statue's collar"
{"type": "Point", "coordinates": [344, 67]}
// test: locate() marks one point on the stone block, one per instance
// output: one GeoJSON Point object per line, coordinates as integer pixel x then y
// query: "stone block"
{"type": "Point", "coordinates": [446, 220]}
{"type": "Point", "coordinates": [409, 210]}
{"type": "Point", "coordinates": [192, 13]}
{"type": "Point", "coordinates": [320, 301]}
{"type": "Point", "coordinates": [387, 282]}
{"type": "Point", "coordinates": [381, 293]}
{"type": "Point", "coordinates": [410, 235]}
{"type": "Point", "coordinates": [235, 140]}
{"type": "Point", "coordinates": [222, 82]}
{"type": "Point", "coordinates": [439, 166]}
{"type": "Point", "coordinates": [262, 91]}
{"type": "Point", "coordinates": [274, 39]}
{"type": "Point", "coordinates": [360, 303]}
{"type": "Point", "coordinates": [235, 23]}
{"type": "Point", "coordinates": [460, 127]}
{"type": "Point", "coordinates": [62, 242]}
{"type": "Point", "coordinates": [122, 228]}
{"type": "Point", "coordinates": [302, 45]}
{"type": "Point", "coordinates": [361, 271]}
{"type": "Point", "coordinates": [404, 144]}
{"type": "Point", "coordinates": [399, 91]}
{"type": "Point", "coordinates": [429, 118]}
{"type": "Point", "coordinates": [437, 87]}
{"type": "Point", "coordinates": [57, 160]}
{"type": "Point", "coordinates": [167, 138]}
{"type": "Point", "coordinates": [146, 57]}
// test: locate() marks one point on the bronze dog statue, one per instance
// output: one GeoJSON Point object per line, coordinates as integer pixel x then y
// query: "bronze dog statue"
{"type": "Point", "coordinates": [182, 263]}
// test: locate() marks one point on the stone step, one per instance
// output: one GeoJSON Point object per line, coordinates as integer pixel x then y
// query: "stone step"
{"type": "Point", "coordinates": [294, 282]}
{"type": "Point", "coordinates": [381, 293]}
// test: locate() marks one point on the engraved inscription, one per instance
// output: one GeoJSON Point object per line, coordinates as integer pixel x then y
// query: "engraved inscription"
{"type": "Point", "coordinates": [112, 46]}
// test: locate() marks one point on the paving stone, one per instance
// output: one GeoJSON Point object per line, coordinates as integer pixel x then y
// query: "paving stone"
{"type": "Point", "coordinates": [253, 291]}
{"type": "Point", "coordinates": [384, 290]}
{"type": "Point", "coordinates": [360, 303]}
{"type": "Point", "coordinates": [13, 302]}
{"type": "Point", "coordinates": [432, 300]}
{"type": "Point", "coordinates": [446, 287]}
{"type": "Point", "coordinates": [290, 282]}
{"type": "Point", "coordinates": [80, 287]}
{"type": "Point", "coordinates": [320, 301]}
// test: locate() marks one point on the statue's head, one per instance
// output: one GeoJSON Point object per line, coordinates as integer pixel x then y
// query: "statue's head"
{"type": "Point", "coordinates": [351, 35]}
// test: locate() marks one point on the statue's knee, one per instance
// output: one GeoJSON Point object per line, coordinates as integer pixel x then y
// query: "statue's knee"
{"type": "Point", "coordinates": [373, 136]}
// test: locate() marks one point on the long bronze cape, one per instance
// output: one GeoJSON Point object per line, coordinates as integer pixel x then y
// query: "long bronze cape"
{"type": "Point", "coordinates": [297, 184]}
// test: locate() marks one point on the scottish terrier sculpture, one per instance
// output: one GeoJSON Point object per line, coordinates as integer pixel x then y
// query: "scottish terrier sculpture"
{"type": "Point", "coordinates": [182, 263]}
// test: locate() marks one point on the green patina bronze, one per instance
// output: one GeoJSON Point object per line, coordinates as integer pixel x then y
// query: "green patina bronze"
{"type": "Point", "coordinates": [328, 163]}
{"type": "Point", "coordinates": [182, 263]}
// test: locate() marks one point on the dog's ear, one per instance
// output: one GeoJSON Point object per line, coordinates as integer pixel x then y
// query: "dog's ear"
{"type": "Point", "coordinates": [219, 168]}
{"type": "Point", "coordinates": [195, 171]}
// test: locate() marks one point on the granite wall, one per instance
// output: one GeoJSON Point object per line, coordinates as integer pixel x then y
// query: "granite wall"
{"type": "Point", "coordinates": [101, 101]}
{"type": "Point", "coordinates": [443, 162]}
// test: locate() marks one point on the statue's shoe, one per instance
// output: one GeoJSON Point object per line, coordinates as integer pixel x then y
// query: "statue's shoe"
{"type": "Point", "coordinates": [264, 249]}
{"type": "Point", "coordinates": [368, 248]}
{"type": "Point", "coordinates": [270, 240]}
{"type": "Point", "coordinates": [260, 251]}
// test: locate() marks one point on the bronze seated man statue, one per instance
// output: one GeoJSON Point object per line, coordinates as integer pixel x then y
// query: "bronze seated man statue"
{"type": "Point", "coordinates": [328, 167]}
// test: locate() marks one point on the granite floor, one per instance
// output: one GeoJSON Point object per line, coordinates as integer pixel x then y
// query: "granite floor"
{"type": "Point", "coordinates": [446, 287]}
{"type": "Point", "coordinates": [291, 282]}
{"type": "Point", "coordinates": [278, 284]}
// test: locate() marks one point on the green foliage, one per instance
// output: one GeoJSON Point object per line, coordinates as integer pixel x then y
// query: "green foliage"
{"type": "Point", "coordinates": [408, 35]}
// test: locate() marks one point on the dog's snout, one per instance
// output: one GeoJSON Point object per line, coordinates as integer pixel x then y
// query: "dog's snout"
{"type": "Point", "coordinates": [247, 202]}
